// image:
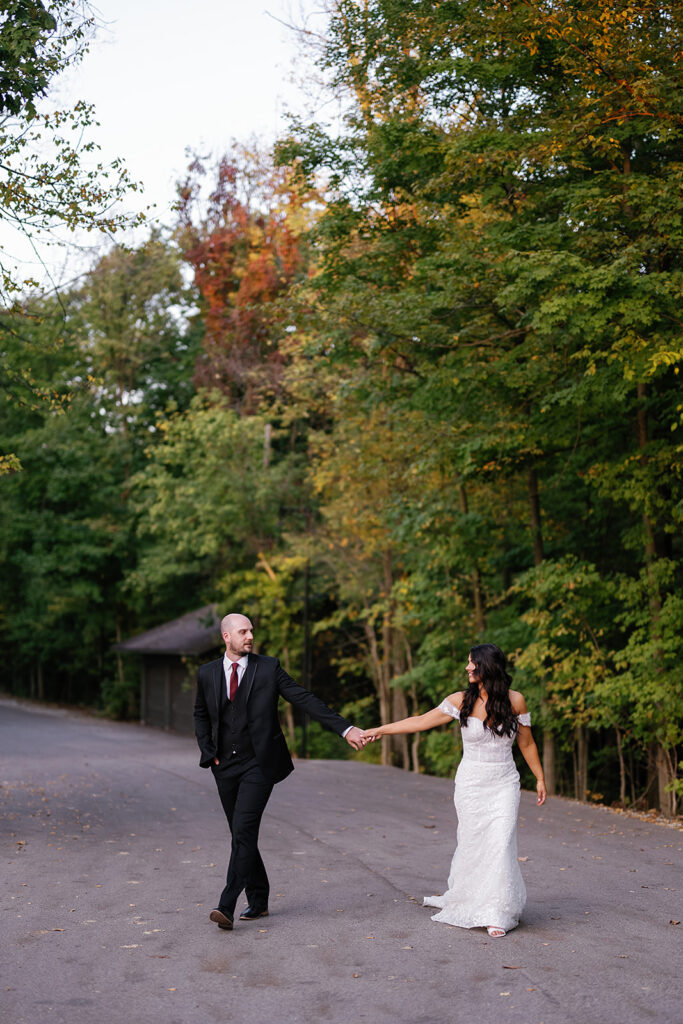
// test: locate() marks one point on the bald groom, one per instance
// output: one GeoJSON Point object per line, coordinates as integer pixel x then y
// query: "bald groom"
{"type": "Point", "coordinates": [240, 739]}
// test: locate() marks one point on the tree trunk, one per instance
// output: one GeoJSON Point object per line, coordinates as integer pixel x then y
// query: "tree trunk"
{"type": "Point", "coordinates": [381, 685]}
{"type": "Point", "coordinates": [661, 766]}
{"type": "Point", "coordinates": [289, 723]}
{"type": "Point", "coordinates": [650, 546]}
{"type": "Point", "coordinates": [401, 746]}
{"type": "Point", "coordinates": [119, 659]}
{"type": "Point", "coordinates": [535, 515]}
{"type": "Point", "coordinates": [549, 768]}
{"type": "Point", "coordinates": [40, 681]}
{"type": "Point", "coordinates": [622, 767]}
{"type": "Point", "coordinates": [666, 774]}
{"type": "Point", "coordinates": [415, 742]}
{"type": "Point", "coordinates": [387, 663]}
{"type": "Point", "coordinates": [581, 763]}
{"type": "Point", "coordinates": [394, 666]}
{"type": "Point", "coordinates": [414, 705]}
{"type": "Point", "coordinates": [288, 709]}
{"type": "Point", "coordinates": [651, 793]}
{"type": "Point", "coordinates": [478, 600]}
{"type": "Point", "coordinates": [549, 762]}
{"type": "Point", "coordinates": [387, 746]}
{"type": "Point", "coordinates": [399, 711]}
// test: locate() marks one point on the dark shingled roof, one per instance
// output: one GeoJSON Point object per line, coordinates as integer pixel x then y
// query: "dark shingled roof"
{"type": "Point", "coordinates": [194, 633]}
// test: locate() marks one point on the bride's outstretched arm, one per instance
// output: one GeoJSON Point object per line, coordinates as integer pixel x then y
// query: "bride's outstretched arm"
{"type": "Point", "coordinates": [418, 723]}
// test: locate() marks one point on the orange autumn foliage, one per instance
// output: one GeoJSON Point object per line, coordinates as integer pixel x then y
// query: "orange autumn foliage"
{"type": "Point", "coordinates": [244, 243]}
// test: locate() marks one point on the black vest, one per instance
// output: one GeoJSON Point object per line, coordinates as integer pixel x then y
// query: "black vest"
{"type": "Point", "coordinates": [233, 733]}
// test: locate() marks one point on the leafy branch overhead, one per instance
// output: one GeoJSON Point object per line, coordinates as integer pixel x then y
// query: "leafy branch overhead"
{"type": "Point", "coordinates": [50, 175]}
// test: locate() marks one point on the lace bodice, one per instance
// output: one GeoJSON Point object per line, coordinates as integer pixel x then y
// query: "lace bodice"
{"type": "Point", "coordinates": [480, 743]}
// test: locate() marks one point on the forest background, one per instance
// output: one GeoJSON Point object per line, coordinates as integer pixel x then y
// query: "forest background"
{"type": "Point", "coordinates": [407, 383]}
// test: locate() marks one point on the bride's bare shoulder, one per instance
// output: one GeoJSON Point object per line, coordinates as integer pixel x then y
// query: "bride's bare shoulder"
{"type": "Point", "coordinates": [456, 699]}
{"type": "Point", "coordinates": [518, 703]}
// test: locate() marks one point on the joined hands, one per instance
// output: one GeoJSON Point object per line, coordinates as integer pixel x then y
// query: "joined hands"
{"type": "Point", "coordinates": [356, 738]}
{"type": "Point", "coordinates": [370, 735]}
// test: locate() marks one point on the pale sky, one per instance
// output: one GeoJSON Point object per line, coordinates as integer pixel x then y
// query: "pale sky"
{"type": "Point", "coordinates": [168, 75]}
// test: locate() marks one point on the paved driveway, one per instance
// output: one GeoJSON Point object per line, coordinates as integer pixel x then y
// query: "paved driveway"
{"type": "Point", "coordinates": [114, 852]}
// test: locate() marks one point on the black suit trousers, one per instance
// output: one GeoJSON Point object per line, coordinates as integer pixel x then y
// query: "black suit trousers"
{"type": "Point", "coordinates": [244, 793]}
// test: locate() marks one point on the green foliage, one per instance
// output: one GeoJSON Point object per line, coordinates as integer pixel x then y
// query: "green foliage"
{"type": "Point", "coordinates": [202, 508]}
{"type": "Point", "coordinates": [120, 697]}
{"type": "Point", "coordinates": [321, 744]}
{"type": "Point", "coordinates": [440, 752]}
{"type": "Point", "coordinates": [649, 663]}
{"type": "Point", "coordinates": [500, 269]}
{"type": "Point", "coordinates": [67, 534]}
{"type": "Point", "coordinates": [49, 174]}
{"type": "Point", "coordinates": [441, 347]}
{"type": "Point", "coordinates": [571, 611]}
{"type": "Point", "coordinates": [34, 41]}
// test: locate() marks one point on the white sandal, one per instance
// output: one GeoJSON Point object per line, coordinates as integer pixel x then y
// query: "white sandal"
{"type": "Point", "coordinates": [496, 933]}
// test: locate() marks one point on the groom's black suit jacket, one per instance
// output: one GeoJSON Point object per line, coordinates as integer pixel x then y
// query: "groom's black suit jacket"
{"type": "Point", "coordinates": [264, 681]}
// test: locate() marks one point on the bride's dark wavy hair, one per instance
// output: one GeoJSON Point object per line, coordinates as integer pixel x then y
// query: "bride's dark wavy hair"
{"type": "Point", "coordinates": [493, 677]}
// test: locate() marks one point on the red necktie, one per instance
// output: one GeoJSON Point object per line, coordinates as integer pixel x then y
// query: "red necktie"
{"type": "Point", "coordinates": [233, 681]}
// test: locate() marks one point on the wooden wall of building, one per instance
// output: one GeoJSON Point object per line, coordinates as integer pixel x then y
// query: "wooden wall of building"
{"type": "Point", "coordinates": [167, 693]}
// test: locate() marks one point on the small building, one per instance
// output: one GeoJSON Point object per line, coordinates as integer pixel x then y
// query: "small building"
{"type": "Point", "coordinates": [170, 654]}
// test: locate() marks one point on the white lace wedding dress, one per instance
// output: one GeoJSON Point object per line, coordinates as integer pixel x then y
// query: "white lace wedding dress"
{"type": "Point", "coordinates": [485, 885]}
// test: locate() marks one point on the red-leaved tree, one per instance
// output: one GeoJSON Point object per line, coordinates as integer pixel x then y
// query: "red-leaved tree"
{"type": "Point", "coordinates": [245, 243]}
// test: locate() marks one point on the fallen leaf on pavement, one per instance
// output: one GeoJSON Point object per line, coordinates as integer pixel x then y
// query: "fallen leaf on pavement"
{"type": "Point", "coordinates": [512, 967]}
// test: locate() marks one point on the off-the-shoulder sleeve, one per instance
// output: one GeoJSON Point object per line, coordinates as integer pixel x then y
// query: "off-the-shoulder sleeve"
{"type": "Point", "coordinates": [449, 709]}
{"type": "Point", "coordinates": [524, 719]}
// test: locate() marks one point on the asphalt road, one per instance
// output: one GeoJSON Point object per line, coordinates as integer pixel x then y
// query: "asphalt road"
{"type": "Point", "coordinates": [115, 849]}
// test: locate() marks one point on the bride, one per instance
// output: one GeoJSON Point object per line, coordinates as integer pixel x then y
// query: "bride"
{"type": "Point", "coordinates": [485, 885]}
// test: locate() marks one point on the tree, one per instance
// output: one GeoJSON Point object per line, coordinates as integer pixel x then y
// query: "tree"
{"type": "Point", "coordinates": [244, 243]}
{"type": "Point", "coordinates": [138, 339]}
{"type": "Point", "coordinates": [110, 357]}
{"type": "Point", "coordinates": [499, 243]}
{"type": "Point", "coordinates": [48, 179]}
{"type": "Point", "coordinates": [29, 60]}
{"type": "Point", "coordinates": [210, 499]}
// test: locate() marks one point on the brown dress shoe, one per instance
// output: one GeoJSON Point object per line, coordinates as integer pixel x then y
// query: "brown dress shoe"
{"type": "Point", "coordinates": [221, 919]}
